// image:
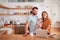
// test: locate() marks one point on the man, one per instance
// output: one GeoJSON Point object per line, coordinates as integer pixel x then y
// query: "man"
{"type": "Point", "coordinates": [31, 22]}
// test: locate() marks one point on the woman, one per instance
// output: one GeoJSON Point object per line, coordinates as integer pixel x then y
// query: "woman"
{"type": "Point", "coordinates": [45, 22]}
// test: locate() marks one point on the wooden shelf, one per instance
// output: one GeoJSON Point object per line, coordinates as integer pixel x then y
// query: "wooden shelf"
{"type": "Point", "coordinates": [19, 8]}
{"type": "Point", "coordinates": [1, 6]}
{"type": "Point", "coordinates": [13, 15]}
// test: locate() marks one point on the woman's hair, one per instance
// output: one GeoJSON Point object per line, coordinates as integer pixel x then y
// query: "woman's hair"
{"type": "Point", "coordinates": [42, 15]}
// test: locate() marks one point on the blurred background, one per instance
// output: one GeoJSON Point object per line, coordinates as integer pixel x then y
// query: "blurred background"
{"type": "Point", "coordinates": [18, 10]}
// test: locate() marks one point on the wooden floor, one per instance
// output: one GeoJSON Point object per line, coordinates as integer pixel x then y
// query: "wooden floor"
{"type": "Point", "coordinates": [21, 37]}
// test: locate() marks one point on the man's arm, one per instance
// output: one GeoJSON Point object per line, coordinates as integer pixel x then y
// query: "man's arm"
{"type": "Point", "coordinates": [26, 27]}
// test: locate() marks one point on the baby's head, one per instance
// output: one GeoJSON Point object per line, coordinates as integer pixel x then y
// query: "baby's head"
{"type": "Point", "coordinates": [40, 20]}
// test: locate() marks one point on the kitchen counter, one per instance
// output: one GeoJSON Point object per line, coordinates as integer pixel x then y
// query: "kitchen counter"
{"type": "Point", "coordinates": [17, 28]}
{"type": "Point", "coordinates": [22, 37]}
{"type": "Point", "coordinates": [10, 26]}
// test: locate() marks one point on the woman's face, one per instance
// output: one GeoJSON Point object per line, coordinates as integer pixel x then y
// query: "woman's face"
{"type": "Point", "coordinates": [44, 15]}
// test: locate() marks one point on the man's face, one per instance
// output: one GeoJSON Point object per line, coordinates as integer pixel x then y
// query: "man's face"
{"type": "Point", "coordinates": [35, 11]}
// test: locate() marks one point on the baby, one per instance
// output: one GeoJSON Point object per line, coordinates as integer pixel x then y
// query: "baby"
{"type": "Point", "coordinates": [39, 23]}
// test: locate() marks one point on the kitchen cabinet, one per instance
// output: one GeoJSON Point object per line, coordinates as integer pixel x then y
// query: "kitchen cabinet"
{"type": "Point", "coordinates": [19, 29]}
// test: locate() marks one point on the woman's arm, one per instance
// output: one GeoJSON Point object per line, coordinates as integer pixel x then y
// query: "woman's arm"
{"type": "Point", "coordinates": [49, 28]}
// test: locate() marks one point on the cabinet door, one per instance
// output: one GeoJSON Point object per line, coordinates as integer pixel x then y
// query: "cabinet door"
{"type": "Point", "coordinates": [17, 30]}
{"type": "Point", "coordinates": [22, 30]}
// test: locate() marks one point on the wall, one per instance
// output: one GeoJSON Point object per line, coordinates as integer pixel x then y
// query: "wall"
{"type": "Point", "coordinates": [3, 1]}
{"type": "Point", "coordinates": [22, 18]}
{"type": "Point", "coordinates": [51, 6]}
{"type": "Point", "coordinates": [54, 11]}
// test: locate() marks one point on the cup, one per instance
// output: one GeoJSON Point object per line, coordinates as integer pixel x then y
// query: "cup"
{"type": "Point", "coordinates": [31, 34]}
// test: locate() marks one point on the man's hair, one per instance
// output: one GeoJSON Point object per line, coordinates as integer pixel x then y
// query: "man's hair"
{"type": "Point", "coordinates": [34, 8]}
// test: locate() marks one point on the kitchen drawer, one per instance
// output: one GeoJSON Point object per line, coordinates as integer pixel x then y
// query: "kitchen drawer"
{"type": "Point", "coordinates": [19, 29]}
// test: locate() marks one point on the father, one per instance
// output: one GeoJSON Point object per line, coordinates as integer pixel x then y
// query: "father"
{"type": "Point", "coordinates": [31, 22]}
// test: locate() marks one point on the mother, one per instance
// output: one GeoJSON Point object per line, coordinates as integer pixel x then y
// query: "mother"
{"type": "Point", "coordinates": [46, 22]}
